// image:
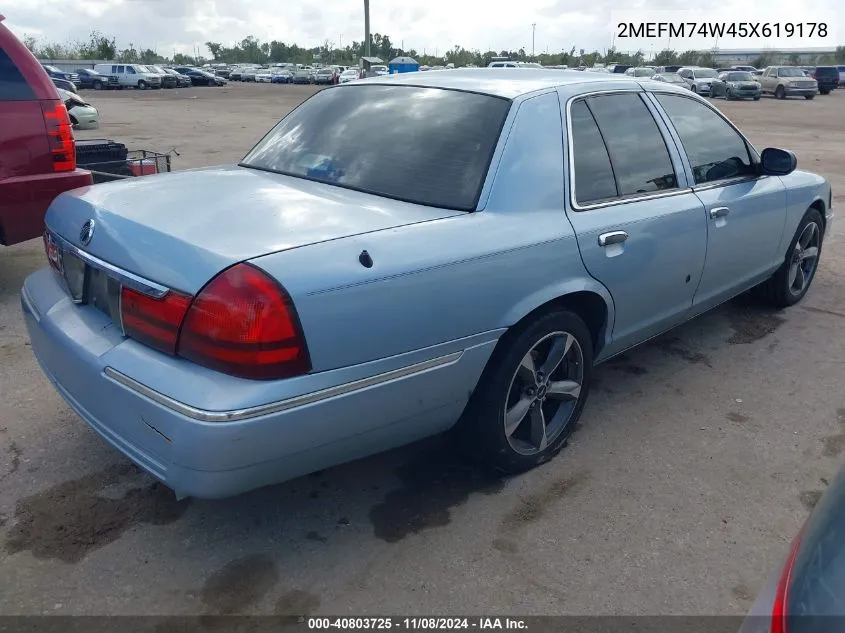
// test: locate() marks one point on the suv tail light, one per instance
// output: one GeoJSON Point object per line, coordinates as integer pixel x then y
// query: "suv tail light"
{"type": "Point", "coordinates": [779, 606]}
{"type": "Point", "coordinates": [243, 323]}
{"type": "Point", "coordinates": [59, 135]}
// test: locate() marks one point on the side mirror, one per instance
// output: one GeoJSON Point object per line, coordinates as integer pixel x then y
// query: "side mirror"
{"type": "Point", "coordinates": [777, 162]}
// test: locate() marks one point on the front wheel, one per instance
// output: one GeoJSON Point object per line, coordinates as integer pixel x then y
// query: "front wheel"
{"type": "Point", "coordinates": [824, 92]}
{"type": "Point", "coordinates": [792, 280]}
{"type": "Point", "coordinates": [780, 93]}
{"type": "Point", "coordinates": [142, 85]}
{"type": "Point", "coordinates": [809, 97]}
{"type": "Point", "coordinates": [728, 95]}
{"type": "Point", "coordinates": [756, 98]}
{"type": "Point", "coordinates": [98, 85]}
{"type": "Point", "coordinates": [530, 395]}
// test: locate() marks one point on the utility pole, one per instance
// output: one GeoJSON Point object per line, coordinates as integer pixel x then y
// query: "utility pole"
{"type": "Point", "coordinates": [367, 28]}
{"type": "Point", "coordinates": [533, 28]}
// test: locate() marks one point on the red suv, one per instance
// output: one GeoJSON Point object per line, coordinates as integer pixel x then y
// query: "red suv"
{"type": "Point", "coordinates": [37, 149]}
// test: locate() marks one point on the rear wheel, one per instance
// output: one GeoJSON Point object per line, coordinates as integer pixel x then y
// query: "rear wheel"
{"type": "Point", "coordinates": [530, 395]}
{"type": "Point", "coordinates": [780, 93]}
{"type": "Point", "coordinates": [791, 281]}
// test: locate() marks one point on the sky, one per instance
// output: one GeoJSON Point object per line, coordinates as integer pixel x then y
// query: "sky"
{"type": "Point", "coordinates": [430, 26]}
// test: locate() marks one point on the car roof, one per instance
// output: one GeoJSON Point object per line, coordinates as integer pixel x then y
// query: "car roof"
{"type": "Point", "coordinates": [495, 81]}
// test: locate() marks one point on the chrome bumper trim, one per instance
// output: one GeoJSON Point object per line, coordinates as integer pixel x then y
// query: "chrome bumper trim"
{"type": "Point", "coordinates": [236, 415]}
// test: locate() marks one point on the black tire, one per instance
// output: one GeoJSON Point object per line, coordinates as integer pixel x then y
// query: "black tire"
{"type": "Point", "coordinates": [142, 85]}
{"type": "Point", "coordinates": [824, 92]}
{"type": "Point", "coordinates": [728, 96]}
{"type": "Point", "coordinates": [481, 430]}
{"type": "Point", "coordinates": [809, 97]}
{"type": "Point", "coordinates": [693, 88]}
{"type": "Point", "coordinates": [98, 85]}
{"type": "Point", "coordinates": [210, 82]}
{"type": "Point", "coordinates": [780, 93]}
{"type": "Point", "coordinates": [777, 291]}
{"type": "Point", "coordinates": [756, 98]}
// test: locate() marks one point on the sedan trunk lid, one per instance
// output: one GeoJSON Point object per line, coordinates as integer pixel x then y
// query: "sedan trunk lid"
{"type": "Point", "coordinates": [181, 229]}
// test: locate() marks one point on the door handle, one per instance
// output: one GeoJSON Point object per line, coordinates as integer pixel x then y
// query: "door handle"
{"type": "Point", "coordinates": [614, 237]}
{"type": "Point", "coordinates": [719, 212]}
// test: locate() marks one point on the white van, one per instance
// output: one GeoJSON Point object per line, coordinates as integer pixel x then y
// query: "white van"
{"type": "Point", "coordinates": [130, 75]}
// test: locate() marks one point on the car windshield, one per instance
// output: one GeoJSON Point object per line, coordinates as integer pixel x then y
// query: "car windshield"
{"type": "Point", "coordinates": [428, 146]}
{"type": "Point", "coordinates": [740, 77]}
{"type": "Point", "coordinates": [143, 69]}
{"type": "Point", "coordinates": [643, 72]}
{"type": "Point", "coordinates": [349, 73]}
{"type": "Point", "coordinates": [52, 69]}
{"type": "Point", "coordinates": [791, 72]}
{"type": "Point", "coordinates": [325, 71]}
{"type": "Point", "coordinates": [705, 73]}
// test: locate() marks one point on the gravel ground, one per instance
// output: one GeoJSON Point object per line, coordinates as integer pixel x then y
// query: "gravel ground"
{"type": "Point", "coordinates": [697, 459]}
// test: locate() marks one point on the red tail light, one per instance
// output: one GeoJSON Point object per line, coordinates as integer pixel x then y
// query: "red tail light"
{"type": "Point", "coordinates": [59, 135]}
{"type": "Point", "coordinates": [154, 322]}
{"type": "Point", "coordinates": [244, 323]}
{"type": "Point", "coordinates": [779, 607]}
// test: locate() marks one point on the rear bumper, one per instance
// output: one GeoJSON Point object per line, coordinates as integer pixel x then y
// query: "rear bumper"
{"type": "Point", "coordinates": [322, 420]}
{"type": "Point", "coordinates": [24, 201]}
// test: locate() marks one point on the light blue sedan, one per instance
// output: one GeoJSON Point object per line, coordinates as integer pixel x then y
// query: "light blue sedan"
{"type": "Point", "coordinates": [404, 255]}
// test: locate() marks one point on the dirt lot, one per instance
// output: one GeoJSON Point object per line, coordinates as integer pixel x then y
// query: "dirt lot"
{"type": "Point", "coordinates": [698, 457]}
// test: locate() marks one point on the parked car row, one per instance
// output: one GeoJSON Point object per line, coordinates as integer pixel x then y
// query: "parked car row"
{"type": "Point", "coordinates": [139, 76]}
{"type": "Point", "coordinates": [746, 82]}
{"type": "Point", "coordinates": [298, 74]}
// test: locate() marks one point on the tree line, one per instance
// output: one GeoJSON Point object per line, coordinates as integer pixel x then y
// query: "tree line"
{"type": "Point", "coordinates": [252, 50]}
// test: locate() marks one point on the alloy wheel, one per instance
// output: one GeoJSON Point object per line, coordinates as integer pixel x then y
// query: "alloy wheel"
{"type": "Point", "coordinates": [805, 259]}
{"type": "Point", "coordinates": [544, 393]}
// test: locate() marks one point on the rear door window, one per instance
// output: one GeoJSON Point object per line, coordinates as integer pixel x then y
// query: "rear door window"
{"type": "Point", "coordinates": [638, 153]}
{"type": "Point", "coordinates": [594, 179]}
{"type": "Point", "coordinates": [13, 85]}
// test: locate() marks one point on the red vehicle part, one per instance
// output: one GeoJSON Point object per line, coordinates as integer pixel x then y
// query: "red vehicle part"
{"type": "Point", "coordinates": [37, 148]}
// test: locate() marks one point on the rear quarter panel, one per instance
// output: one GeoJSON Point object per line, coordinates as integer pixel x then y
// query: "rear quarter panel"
{"type": "Point", "coordinates": [439, 281]}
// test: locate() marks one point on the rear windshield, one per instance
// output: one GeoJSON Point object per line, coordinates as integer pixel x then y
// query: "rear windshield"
{"type": "Point", "coordinates": [827, 71]}
{"type": "Point", "coordinates": [424, 145]}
